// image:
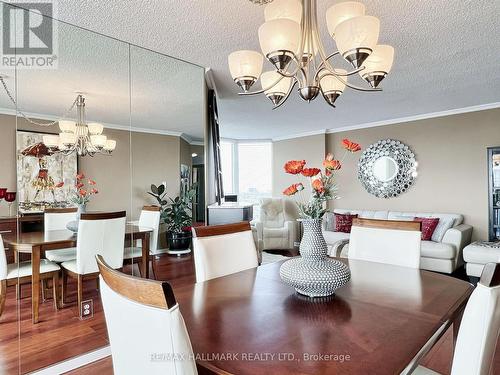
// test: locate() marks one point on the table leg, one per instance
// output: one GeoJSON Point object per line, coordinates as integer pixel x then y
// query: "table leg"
{"type": "Point", "coordinates": [145, 256]}
{"type": "Point", "coordinates": [35, 282]}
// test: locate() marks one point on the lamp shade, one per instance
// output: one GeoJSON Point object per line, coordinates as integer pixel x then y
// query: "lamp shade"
{"type": "Point", "coordinates": [98, 140]}
{"type": "Point", "coordinates": [245, 64]}
{"type": "Point", "coordinates": [380, 60]}
{"type": "Point", "coordinates": [341, 12]}
{"type": "Point", "coordinates": [356, 33]}
{"type": "Point", "coordinates": [280, 88]}
{"type": "Point", "coordinates": [95, 128]}
{"type": "Point", "coordinates": [51, 140]}
{"type": "Point", "coordinates": [330, 83]}
{"type": "Point", "coordinates": [291, 9]}
{"type": "Point", "coordinates": [110, 145]}
{"type": "Point", "coordinates": [67, 126]}
{"type": "Point", "coordinates": [67, 138]}
{"type": "Point", "coordinates": [279, 35]}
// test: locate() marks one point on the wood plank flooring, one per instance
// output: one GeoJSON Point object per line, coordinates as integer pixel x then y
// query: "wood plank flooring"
{"type": "Point", "coordinates": [25, 347]}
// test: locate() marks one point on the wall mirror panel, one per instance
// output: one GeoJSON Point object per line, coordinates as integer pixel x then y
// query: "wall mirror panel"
{"type": "Point", "coordinates": [140, 117]}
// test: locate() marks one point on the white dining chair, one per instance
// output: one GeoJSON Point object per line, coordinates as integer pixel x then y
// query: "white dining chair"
{"type": "Point", "coordinates": [98, 234]}
{"type": "Point", "coordinates": [20, 273]}
{"type": "Point", "coordinates": [145, 327]}
{"type": "Point", "coordinates": [479, 329]}
{"type": "Point", "coordinates": [220, 250]}
{"type": "Point", "coordinates": [386, 241]}
{"type": "Point", "coordinates": [149, 218]}
{"type": "Point", "coordinates": [57, 219]}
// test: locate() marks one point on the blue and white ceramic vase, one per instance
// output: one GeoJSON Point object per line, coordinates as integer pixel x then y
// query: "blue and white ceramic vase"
{"type": "Point", "coordinates": [314, 274]}
{"type": "Point", "coordinates": [73, 225]}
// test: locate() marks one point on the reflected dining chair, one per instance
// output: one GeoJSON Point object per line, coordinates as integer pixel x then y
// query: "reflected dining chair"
{"type": "Point", "coordinates": [146, 330]}
{"type": "Point", "coordinates": [57, 219]}
{"type": "Point", "coordinates": [386, 241]}
{"type": "Point", "coordinates": [478, 332]}
{"type": "Point", "coordinates": [220, 250]}
{"type": "Point", "coordinates": [150, 218]}
{"type": "Point", "coordinates": [20, 273]}
{"type": "Point", "coordinates": [98, 233]}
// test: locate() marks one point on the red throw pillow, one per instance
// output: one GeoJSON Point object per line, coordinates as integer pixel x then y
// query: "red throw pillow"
{"type": "Point", "coordinates": [343, 222]}
{"type": "Point", "coordinates": [428, 226]}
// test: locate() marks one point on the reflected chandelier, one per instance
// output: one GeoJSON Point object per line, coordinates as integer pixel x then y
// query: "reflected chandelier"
{"type": "Point", "coordinates": [80, 137]}
{"type": "Point", "coordinates": [290, 41]}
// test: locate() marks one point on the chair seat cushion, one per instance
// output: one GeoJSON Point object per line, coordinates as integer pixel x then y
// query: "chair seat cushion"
{"type": "Point", "coordinates": [24, 269]}
{"type": "Point", "coordinates": [333, 237]}
{"type": "Point", "coordinates": [431, 249]}
{"type": "Point", "coordinates": [481, 254]}
{"type": "Point", "coordinates": [132, 252]}
{"type": "Point", "coordinates": [275, 232]}
{"type": "Point", "coordinates": [70, 265]}
{"type": "Point", "coordinates": [61, 255]}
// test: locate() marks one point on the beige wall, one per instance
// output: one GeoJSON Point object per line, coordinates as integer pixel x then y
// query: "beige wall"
{"type": "Point", "coordinates": [451, 152]}
{"type": "Point", "coordinates": [311, 148]}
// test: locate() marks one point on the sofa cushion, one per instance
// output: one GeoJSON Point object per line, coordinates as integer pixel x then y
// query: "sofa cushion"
{"type": "Point", "coordinates": [431, 249]}
{"type": "Point", "coordinates": [364, 214]}
{"type": "Point", "coordinates": [481, 254]}
{"type": "Point", "coordinates": [275, 232]}
{"type": "Point", "coordinates": [457, 218]}
{"type": "Point", "coordinates": [333, 237]}
{"type": "Point", "coordinates": [329, 221]}
{"type": "Point", "coordinates": [444, 224]}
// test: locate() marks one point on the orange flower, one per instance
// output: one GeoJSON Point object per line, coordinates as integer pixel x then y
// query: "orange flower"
{"type": "Point", "coordinates": [82, 192]}
{"type": "Point", "coordinates": [310, 172]}
{"type": "Point", "coordinates": [318, 186]}
{"type": "Point", "coordinates": [94, 191]}
{"type": "Point", "coordinates": [80, 176]}
{"type": "Point", "coordinates": [294, 166]}
{"type": "Point", "coordinates": [333, 165]}
{"type": "Point", "coordinates": [91, 182]}
{"type": "Point", "coordinates": [79, 185]}
{"type": "Point", "coordinates": [293, 189]}
{"type": "Point", "coordinates": [60, 185]}
{"type": "Point", "coordinates": [351, 146]}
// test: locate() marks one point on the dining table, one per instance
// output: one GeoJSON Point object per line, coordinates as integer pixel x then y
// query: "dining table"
{"type": "Point", "coordinates": [383, 321]}
{"type": "Point", "coordinates": [36, 243]}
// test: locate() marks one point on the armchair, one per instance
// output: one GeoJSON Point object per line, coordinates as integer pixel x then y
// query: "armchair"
{"type": "Point", "coordinates": [277, 226]}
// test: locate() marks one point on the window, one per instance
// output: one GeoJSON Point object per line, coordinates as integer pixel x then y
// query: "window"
{"type": "Point", "coordinates": [246, 169]}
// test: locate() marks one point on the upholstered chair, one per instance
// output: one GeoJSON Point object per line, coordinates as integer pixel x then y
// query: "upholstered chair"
{"type": "Point", "coordinates": [57, 219]}
{"type": "Point", "coordinates": [20, 273]}
{"type": "Point", "coordinates": [146, 331]}
{"type": "Point", "coordinates": [277, 226]}
{"type": "Point", "coordinates": [386, 241]}
{"type": "Point", "coordinates": [98, 234]}
{"type": "Point", "coordinates": [478, 332]}
{"type": "Point", "coordinates": [149, 218]}
{"type": "Point", "coordinates": [220, 250]}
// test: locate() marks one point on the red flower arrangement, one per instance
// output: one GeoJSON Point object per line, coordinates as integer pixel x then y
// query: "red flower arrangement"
{"type": "Point", "coordinates": [323, 187]}
{"type": "Point", "coordinates": [82, 194]}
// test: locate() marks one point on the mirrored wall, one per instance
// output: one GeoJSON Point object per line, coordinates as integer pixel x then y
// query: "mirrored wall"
{"type": "Point", "coordinates": [97, 128]}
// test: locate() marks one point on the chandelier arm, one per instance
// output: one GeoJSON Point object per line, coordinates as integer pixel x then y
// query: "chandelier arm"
{"type": "Point", "coordinates": [287, 95]}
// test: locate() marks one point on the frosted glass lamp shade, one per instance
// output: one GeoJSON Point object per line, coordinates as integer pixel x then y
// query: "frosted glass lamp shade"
{"type": "Point", "coordinates": [110, 145]}
{"type": "Point", "coordinates": [67, 126]}
{"type": "Point", "coordinates": [95, 128]}
{"type": "Point", "coordinates": [51, 140]}
{"type": "Point", "coordinates": [380, 60]}
{"type": "Point", "coordinates": [341, 12]}
{"type": "Point", "coordinates": [67, 138]}
{"type": "Point", "coordinates": [98, 141]}
{"type": "Point", "coordinates": [282, 87]}
{"type": "Point", "coordinates": [245, 64]}
{"type": "Point", "coordinates": [290, 9]}
{"type": "Point", "coordinates": [330, 83]}
{"type": "Point", "coordinates": [279, 35]}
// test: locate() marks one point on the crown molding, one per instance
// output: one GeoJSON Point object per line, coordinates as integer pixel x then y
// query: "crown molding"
{"type": "Point", "coordinates": [425, 116]}
{"type": "Point", "coordinates": [299, 135]}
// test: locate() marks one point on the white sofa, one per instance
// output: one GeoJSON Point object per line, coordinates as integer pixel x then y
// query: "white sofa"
{"type": "Point", "coordinates": [441, 256]}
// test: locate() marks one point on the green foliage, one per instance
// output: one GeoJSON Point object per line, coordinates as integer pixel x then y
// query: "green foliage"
{"type": "Point", "coordinates": [176, 212]}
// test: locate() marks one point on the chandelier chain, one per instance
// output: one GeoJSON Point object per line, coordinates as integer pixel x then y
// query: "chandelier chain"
{"type": "Point", "coordinates": [47, 124]}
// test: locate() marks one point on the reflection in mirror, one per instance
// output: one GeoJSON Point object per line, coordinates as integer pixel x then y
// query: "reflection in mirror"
{"type": "Point", "coordinates": [385, 168]}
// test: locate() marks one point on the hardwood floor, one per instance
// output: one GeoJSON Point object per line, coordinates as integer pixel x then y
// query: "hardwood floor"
{"type": "Point", "coordinates": [61, 335]}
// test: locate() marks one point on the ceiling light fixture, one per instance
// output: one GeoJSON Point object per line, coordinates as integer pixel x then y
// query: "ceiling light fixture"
{"type": "Point", "coordinates": [80, 137]}
{"type": "Point", "coordinates": [290, 41]}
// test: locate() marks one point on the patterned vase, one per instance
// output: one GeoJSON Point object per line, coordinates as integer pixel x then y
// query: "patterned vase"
{"type": "Point", "coordinates": [73, 225]}
{"type": "Point", "coordinates": [314, 274]}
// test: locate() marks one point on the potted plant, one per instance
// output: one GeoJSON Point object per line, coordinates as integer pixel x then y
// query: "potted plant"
{"type": "Point", "coordinates": [177, 215]}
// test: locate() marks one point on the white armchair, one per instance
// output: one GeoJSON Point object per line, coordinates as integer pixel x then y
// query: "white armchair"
{"type": "Point", "coordinates": [277, 227]}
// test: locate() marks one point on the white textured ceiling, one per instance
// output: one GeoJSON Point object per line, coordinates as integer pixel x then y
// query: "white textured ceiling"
{"type": "Point", "coordinates": [447, 56]}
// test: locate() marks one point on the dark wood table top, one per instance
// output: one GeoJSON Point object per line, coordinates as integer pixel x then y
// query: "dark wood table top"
{"type": "Point", "coordinates": [376, 324]}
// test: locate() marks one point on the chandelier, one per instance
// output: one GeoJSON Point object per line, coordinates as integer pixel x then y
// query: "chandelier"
{"type": "Point", "coordinates": [290, 41]}
{"type": "Point", "coordinates": [80, 137]}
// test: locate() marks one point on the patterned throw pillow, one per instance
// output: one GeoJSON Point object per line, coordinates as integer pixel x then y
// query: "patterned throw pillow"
{"type": "Point", "coordinates": [444, 224]}
{"type": "Point", "coordinates": [428, 227]}
{"type": "Point", "coordinates": [343, 222]}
